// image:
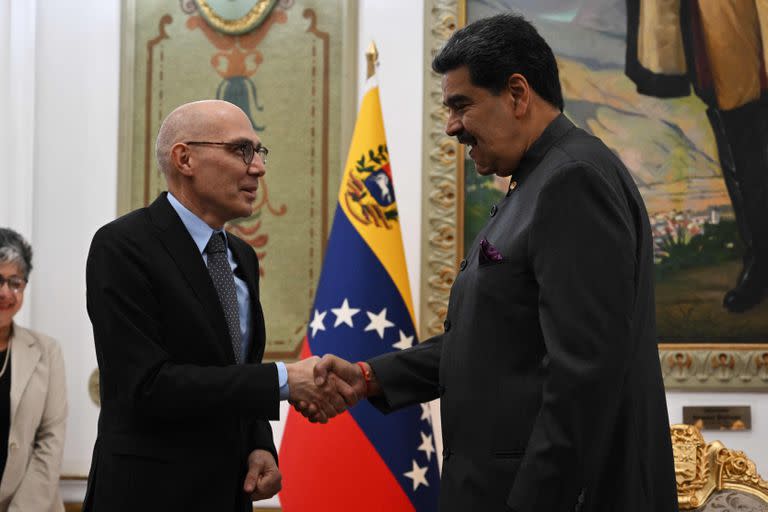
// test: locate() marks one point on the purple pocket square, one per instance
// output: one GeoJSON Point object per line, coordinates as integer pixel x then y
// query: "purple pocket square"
{"type": "Point", "coordinates": [488, 253]}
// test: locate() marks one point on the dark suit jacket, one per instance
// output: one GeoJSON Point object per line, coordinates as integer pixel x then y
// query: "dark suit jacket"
{"type": "Point", "coordinates": [548, 371]}
{"type": "Point", "coordinates": [178, 416]}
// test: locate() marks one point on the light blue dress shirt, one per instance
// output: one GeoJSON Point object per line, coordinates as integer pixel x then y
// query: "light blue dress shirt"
{"type": "Point", "coordinates": [201, 234]}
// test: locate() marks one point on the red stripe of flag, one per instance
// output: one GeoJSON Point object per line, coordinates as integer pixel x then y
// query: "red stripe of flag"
{"type": "Point", "coordinates": [334, 467]}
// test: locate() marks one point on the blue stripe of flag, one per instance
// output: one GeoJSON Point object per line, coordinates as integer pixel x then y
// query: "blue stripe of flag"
{"type": "Point", "coordinates": [352, 271]}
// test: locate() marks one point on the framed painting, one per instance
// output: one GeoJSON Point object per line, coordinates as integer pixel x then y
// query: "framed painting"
{"type": "Point", "coordinates": [289, 65]}
{"type": "Point", "coordinates": [675, 147]}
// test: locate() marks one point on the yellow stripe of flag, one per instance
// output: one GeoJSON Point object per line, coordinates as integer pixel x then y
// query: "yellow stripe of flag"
{"type": "Point", "coordinates": [360, 196]}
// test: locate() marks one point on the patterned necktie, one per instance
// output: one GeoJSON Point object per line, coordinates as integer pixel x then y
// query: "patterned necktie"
{"type": "Point", "coordinates": [224, 281]}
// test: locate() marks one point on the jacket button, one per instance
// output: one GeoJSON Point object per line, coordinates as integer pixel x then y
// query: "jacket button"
{"type": "Point", "coordinates": [441, 390]}
{"type": "Point", "coordinates": [463, 264]}
{"type": "Point", "coordinates": [447, 454]}
{"type": "Point", "coordinates": [494, 209]}
{"type": "Point", "coordinates": [12, 445]}
{"type": "Point", "coordinates": [447, 325]}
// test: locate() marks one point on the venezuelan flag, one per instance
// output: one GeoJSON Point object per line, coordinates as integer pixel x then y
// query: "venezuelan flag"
{"type": "Point", "coordinates": [362, 459]}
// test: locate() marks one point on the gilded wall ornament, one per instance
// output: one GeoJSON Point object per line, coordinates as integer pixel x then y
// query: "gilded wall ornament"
{"type": "Point", "coordinates": [235, 16]}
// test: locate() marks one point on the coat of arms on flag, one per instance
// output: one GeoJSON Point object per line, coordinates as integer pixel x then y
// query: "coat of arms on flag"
{"type": "Point", "coordinates": [370, 195]}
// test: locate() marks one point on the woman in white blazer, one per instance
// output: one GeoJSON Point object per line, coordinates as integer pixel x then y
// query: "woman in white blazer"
{"type": "Point", "coordinates": [33, 397]}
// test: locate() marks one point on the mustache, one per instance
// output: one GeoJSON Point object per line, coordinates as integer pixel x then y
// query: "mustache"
{"type": "Point", "coordinates": [466, 139]}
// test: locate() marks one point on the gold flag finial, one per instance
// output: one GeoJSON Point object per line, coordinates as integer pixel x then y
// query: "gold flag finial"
{"type": "Point", "coordinates": [372, 56]}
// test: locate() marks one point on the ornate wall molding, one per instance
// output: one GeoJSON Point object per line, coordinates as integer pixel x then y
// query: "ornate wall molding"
{"type": "Point", "coordinates": [440, 180]}
{"type": "Point", "coordinates": [726, 366]}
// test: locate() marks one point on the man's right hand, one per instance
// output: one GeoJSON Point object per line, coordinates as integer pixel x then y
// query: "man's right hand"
{"type": "Point", "coordinates": [326, 400]}
{"type": "Point", "coordinates": [350, 373]}
{"type": "Point", "coordinates": [335, 371]}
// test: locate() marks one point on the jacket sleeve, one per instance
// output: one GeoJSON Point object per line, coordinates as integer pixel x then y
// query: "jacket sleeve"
{"type": "Point", "coordinates": [39, 486]}
{"type": "Point", "coordinates": [262, 437]}
{"type": "Point", "coordinates": [409, 376]}
{"type": "Point", "coordinates": [582, 247]}
{"type": "Point", "coordinates": [136, 370]}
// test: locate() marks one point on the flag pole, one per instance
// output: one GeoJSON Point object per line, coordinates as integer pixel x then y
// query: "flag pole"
{"type": "Point", "coordinates": [372, 57]}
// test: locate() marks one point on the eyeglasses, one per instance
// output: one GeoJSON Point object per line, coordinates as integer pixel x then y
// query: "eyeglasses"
{"type": "Point", "coordinates": [246, 149]}
{"type": "Point", "coordinates": [15, 284]}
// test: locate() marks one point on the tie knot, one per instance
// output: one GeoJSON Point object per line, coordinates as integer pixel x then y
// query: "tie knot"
{"type": "Point", "coordinates": [216, 243]}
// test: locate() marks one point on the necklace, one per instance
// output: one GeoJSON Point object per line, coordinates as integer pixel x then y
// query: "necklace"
{"type": "Point", "coordinates": [7, 357]}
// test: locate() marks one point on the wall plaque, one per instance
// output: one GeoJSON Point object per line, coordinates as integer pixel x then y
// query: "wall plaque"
{"type": "Point", "coordinates": [709, 417]}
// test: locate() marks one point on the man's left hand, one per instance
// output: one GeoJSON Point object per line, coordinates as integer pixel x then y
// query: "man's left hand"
{"type": "Point", "coordinates": [263, 479]}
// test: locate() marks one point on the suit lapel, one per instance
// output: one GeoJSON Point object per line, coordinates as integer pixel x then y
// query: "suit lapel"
{"type": "Point", "coordinates": [25, 354]}
{"type": "Point", "coordinates": [179, 244]}
{"type": "Point", "coordinates": [248, 265]}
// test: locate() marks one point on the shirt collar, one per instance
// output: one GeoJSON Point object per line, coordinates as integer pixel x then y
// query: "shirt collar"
{"type": "Point", "coordinates": [551, 134]}
{"type": "Point", "coordinates": [198, 229]}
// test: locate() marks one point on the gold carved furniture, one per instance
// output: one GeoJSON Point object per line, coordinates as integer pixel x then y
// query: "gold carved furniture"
{"type": "Point", "coordinates": [710, 477]}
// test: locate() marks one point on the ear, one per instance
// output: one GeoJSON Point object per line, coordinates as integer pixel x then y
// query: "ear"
{"type": "Point", "coordinates": [520, 93]}
{"type": "Point", "coordinates": [181, 157]}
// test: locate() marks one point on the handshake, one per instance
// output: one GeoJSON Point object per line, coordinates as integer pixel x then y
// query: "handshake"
{"type": "Point", "coordinates": [320, 389]}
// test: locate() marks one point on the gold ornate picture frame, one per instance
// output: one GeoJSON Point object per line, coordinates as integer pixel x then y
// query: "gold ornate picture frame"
{"type": "Point", "coordinates": [687, 365]}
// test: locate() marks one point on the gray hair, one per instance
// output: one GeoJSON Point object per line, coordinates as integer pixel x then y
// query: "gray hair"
{"type": "Point", "coordinates": [14, 249]}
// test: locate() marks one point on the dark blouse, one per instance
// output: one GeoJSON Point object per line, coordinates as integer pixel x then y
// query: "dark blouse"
{"type": "Point", "coordinates": [5, 409]}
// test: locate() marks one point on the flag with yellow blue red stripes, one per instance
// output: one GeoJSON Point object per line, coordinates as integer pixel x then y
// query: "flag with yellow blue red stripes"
{"type": "Point", "coordinates": [362, 459]}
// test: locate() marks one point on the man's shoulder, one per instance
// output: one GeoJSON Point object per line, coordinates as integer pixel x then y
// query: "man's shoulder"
{"type": "Point", "coordinates": [579, 145]}
{"type": "Point", "coordinates": [579, 149]}
{"type": "Point", "coordinates": [139, 221]}
{"type": "Point", "coordinates": [132, 225]}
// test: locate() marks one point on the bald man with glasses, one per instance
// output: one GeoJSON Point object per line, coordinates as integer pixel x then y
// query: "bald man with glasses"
{"type": "Point", "coordinates": [179, 334]}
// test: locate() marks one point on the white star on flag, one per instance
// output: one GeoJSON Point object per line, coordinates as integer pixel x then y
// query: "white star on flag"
{"type": "Point", "coordinates": [344, 314]}
{"type": "Point", "coordinates": [378, 322]}
{"type": "Point", "coordinates": [418, 475]}
{"type": "Point", "coordinates": [404, 342]}
{"type": "Point", "coordinates": [317, 322]}
{"type": "Point", "coordinates": [426, 414]}
{"type": "Point", "coordinates": [426, 445]}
